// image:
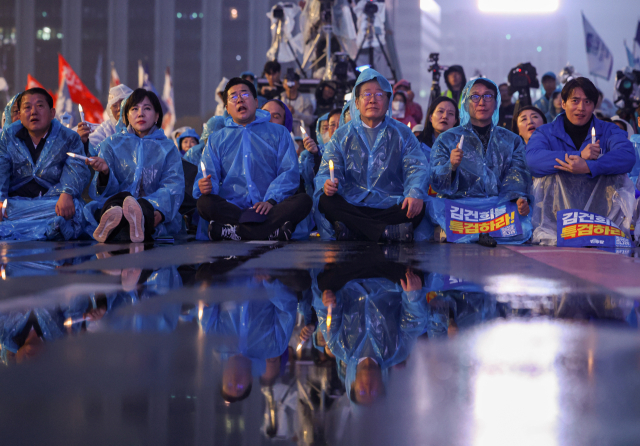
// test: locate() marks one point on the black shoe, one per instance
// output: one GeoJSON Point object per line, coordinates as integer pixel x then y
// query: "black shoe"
{"type": "Point", "coordinates": [283, 233]}
{"type": "Point", "coordinates": [219, 232]}
{"type": "Point", "coordinates": [398, 233]}
{"type": "Point", "coordinates": [343, 234]}
{"type": "Point", "coordinates": [487, 240]}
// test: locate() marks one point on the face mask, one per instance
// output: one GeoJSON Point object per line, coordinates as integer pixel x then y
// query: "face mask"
{"type": "Point", "coordinates": [397, 109]}
{"type": "Point", "coordinates": [325, 137]}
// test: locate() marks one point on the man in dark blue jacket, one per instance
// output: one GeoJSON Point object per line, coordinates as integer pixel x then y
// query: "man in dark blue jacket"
{"type": "Point", "coordinates": [566, 152]}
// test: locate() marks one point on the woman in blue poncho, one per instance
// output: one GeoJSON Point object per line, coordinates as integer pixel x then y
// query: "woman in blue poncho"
{"type": "Point", "coordinates": [140, 185]}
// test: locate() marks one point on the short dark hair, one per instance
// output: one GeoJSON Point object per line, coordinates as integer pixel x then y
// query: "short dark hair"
{"type": "Point", "coordinates": [504, 84]}
{"type": "Point", "coordinates": [360, 85]}
{"type": "Point", "coordinates": [402, 94]}
{"type": "Point", "coordinates": [137, 97]}
{"type": "Point", "coordinates": [237, 81]}
{"type": "Point", "coordinates": [590, 90]}
{"type": "Point", "coordinates": [36, 90]}
{"type": "Point", "coordinates": [514, 122]}
{"type": "Point", "coordinates": [234, 399]}
{"type": "Point", "coordinates": [490, 85]}
{"type": "Point", "coordinates": [272, 66]}
{"type": "Point", "coordinates": [335, 111]}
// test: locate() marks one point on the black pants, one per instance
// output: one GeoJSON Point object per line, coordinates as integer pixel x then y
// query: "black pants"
{"type": "Point", "coordinates": [294, 209]}
{"type": "Point", "coordinates": [366, 223]}
{"type": "Point", "coordinates": [121, 232]}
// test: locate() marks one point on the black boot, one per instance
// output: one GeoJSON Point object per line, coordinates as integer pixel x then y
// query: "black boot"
{"type": "Point", "coordinates": [398, 233]}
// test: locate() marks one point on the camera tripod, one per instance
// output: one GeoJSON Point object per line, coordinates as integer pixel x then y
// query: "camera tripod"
{"type": "Point", "coordinates": [281, 37]}
{"type": "Point", "coordinates": [369, 35]}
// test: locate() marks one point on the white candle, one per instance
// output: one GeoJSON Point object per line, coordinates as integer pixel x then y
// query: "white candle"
{"type": "Point", "coordinates": [593, 135]}
{"type": "Point", "coordinates": [304, 132]}
{"type": "Point", "coordinates": [81, 113]}
{"type": "Point", "coordinates": [4, 208]}
{"type": "Point", "coordinates": [204, 170]}
{"type": "Point", "coordinates": [331, 170]}
{"type": "Point", "coordinates": [3, 274]}
{"type": "Point", "coordinates": [461, 142]}
{"type": "Point", "coordinates": [80, 157]}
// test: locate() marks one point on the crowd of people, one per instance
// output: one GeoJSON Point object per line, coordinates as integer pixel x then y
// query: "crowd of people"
{"type": "Point", "coordinates": [374, 169]}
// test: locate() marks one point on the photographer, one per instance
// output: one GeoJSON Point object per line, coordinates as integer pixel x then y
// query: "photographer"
{"type": "Point", "coordinates": [272, 74]}
{"type": "Point", "coordinates": [300, 104]}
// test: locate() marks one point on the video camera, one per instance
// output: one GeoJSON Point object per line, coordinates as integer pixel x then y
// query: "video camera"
{"type": "Point", "coordinates": [522, 78]}
{"type": "Point", "coordinates": [436, 70]}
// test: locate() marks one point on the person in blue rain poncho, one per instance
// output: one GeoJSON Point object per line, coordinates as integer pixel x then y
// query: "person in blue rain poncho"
{"type": "Point", "coordinates": [378, 310]}
{"type": "Point", "coordinates": [488, 170]}
{"type": "Point", "coordinates": [41, 184]}
{"type": "Point", "coordinates": [380, 171]}
{"type": "Point", "coordinates": [252, 174]}
{"type": "Point", "coordinates": [140, 185]}
{"type": "Point", "coordinates": [92, 139]}
{"type": "Point", "coordinates": [11, 113]}
{"type": "Point", "coordinates": [571, 172]}
{"type": "Point", "coordinates": [187, 139]}
{"type": "Point", "coordinates": [194, 155]}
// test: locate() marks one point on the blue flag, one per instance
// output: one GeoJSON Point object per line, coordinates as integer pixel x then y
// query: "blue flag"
{"type": "Point", "coordinates": [599, 57]}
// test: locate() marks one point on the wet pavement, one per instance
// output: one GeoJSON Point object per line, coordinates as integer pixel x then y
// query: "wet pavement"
{"type": "Point", "coordinates": [318, 344]}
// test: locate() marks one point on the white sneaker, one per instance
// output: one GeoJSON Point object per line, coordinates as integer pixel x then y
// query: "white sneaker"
{"type": "Point", "coordinates": [108, 222]}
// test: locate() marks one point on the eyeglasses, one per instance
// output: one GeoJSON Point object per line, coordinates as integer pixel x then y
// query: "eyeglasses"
{"type": "Point", "coordinates": [234, 99]}
{"type": "Point", "coordinates": [372, 96]}
{"type": "Point", "coordinates": [475, 98]}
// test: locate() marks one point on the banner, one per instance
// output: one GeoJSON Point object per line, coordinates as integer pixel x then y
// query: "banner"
{"type": "Point", "coordinates": [501, 221]}
{"type": "Point", "coordinates": [579, 228]}
{"type": "Point", "coordinates": [599, 57]}
{"type": "Point", "coordinates": [169, 118]}
{"type": "Point", "coordinates": [633, 56]}
{"type": "Point", "coordinates": [78, 92]}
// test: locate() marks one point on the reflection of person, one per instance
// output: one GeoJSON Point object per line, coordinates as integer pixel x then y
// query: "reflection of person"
{"type": "Point", "coordinates": [34, 163]}
{"type": "Point", "coordinates": [378, 311]}
{"type": "Point", "coordinates": [382, 199]}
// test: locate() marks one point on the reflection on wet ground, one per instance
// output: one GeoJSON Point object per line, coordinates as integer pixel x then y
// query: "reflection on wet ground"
{"type": "Point", "coordinates": [318, 344]}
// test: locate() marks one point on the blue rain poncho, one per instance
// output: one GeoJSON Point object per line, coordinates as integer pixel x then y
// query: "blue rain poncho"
{"type": "Point", "coordinates": [635, 172]}
{"type": "Point", "coordinates": [194, 155]}
{"type": "Point", "coordinates": [606, 191]}
{"type": "Point", "coordinates": [251, 164]}
{"type": "Point", "coordinates": [6, 115]}
{"type": "Point", "coordinates": [372, 318]}
{"type": "Point", "coordinates": [34, 218]}
{"type": "Point", "coordinates": [189, 133]}
{"type": "Point", "coordinates": [379, 177]}
{"type": "Point", "coordinates": [149, 168]}
{"type": "Point", "coordinates": [13, 322]}
{"type": "Point", "coordinates": [483, 179]}
{"type": "Point", "coordinates": [307, 160]}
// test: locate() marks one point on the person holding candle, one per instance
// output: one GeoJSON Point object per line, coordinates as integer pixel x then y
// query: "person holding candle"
{"type": "Point", "coordinates": [41, 183]}
{"type": "Point", "coordinates": [485, 169]}
{"type": "Point", "coordinates": [249, 192]}
{"type": "Point", "coordinates": [380, 172]}
{"type": "Point", "coordinates": [573, 167]}
{"type": "Point", "coordinates": [140, 185]}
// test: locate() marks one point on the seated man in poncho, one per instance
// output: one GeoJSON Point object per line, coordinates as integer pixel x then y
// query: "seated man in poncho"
{"type": "Point", "coordinates": [573, 172]}
{"type": "Point", "coordinates": [39, 181]}
{"type": "Point", "coordinates": [487, 171]}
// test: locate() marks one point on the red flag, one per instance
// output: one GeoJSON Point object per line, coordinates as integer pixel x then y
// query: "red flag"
{"type": "Point", "coordinates": [79, 93]}
{"type": "Point", "coordinates": [33, 83]}
{"type": "Point", "coordinates": [115, 79]}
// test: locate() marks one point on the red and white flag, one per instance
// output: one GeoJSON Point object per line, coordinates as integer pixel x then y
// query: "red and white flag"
{"type": "Point", "coordinates": [115, 79]}
{"type": "Point", "coordinates": [33, 83]}
{"type": "Point", "coordinates": [79, 92]}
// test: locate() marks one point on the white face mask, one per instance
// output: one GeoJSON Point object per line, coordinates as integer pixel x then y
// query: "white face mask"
{"type": "Point", "coordinates": [397, 109]}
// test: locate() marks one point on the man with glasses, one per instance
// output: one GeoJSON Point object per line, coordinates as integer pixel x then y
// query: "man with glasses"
{"type": "Point", "coordinates": [246, 191]}
{"type": "Point", "coordinates": [489, 165]}
{"type": "Point", "coordinates": [380, 172]}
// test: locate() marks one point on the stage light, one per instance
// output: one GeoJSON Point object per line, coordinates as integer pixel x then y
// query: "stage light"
{"type": "Point", "coordinates": [516, 7]}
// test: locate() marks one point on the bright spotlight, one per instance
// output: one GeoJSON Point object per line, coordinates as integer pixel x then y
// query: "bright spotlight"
{"type": "Point", "coordinates": [518, 7]}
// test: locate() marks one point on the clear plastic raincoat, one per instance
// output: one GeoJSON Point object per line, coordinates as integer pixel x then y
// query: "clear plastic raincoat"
{"type": "Point", "coordinates": [149, 168]}
{"type": "Point", "coordinates": [606, 191]}
{"type": "Point", "coordinates": [108, 127]}
{"type": "Point", "coordinates": [251, 164]}
{"type": "Point", "coordinates": [498, 176]}
{"type": "Point", "coordinates": [35, 219]}
{"type": "Point", "coordinates": [379, 177]}
{"type": "Point", "coordinates": [6, 115]}
{"type": "Point", "coordinates": [194, 155]}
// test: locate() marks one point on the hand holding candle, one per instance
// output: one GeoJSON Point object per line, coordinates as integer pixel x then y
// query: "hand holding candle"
{"type": "Point", "coordinates": [331, 185]}
{"type": "Point", "coordinates": [331, 171]}
{"type": "Point", "coordinates": [80, 157]}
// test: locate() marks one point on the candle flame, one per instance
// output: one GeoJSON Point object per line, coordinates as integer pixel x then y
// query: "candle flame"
{"type": "Point", "coordinates": [204, 170]}
{"type": "Point", "coordinates": [331, 164]}
{"type": "Point", "coordinates": [593, 131]}
{"type": "Point", "coordinates": [80, 108]}
{"type": "Point", "coordinates": [68, 322]}
{"type": "Point", "coordinates": [299, 347]}
{"type": "Point", "coordinates": [3, 273]}
{"type": "Point", "coordinates": [302, 129]}
{"type": "Point", "coordinates": [72, 155]}
{"type": "Point", "coordinates": [329, 317]}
